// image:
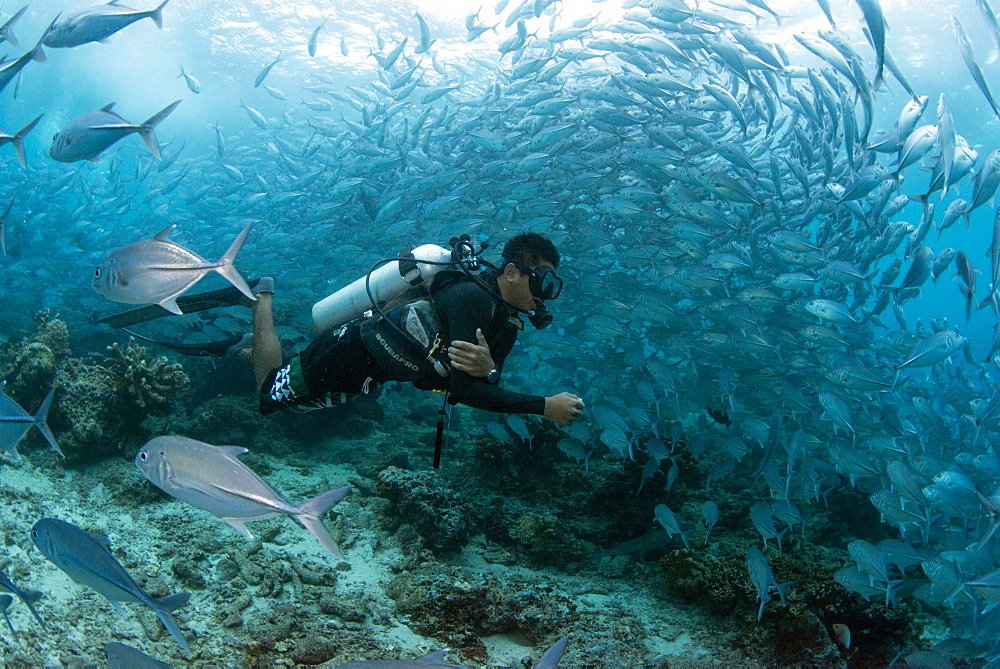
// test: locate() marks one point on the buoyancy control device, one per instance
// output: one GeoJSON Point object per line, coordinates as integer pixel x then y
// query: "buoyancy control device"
{"type": "Point", "coordinates": [400, 328]}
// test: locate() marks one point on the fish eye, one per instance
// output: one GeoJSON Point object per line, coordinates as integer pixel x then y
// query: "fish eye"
{"type": "Point", "coordinates": [97, 273]}
{"type": "Point", "coordinates": [143, 455]}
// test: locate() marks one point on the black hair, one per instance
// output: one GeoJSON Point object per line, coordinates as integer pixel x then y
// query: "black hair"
{"type": "Point", "coordinates": [530, 248]}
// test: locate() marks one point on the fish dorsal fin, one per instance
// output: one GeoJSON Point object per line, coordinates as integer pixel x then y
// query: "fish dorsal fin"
{"type": "Point", "coordinates": [233, 451]}
{"type": "Point", "coordinates": [164, 234]}
{"type": "Point", "coordinates": [100, 539]}
{"type": "Point", "coordinates": [108, 107]}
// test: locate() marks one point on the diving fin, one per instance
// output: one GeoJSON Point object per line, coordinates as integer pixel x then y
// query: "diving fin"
{"type": "Point", "coordinates": [213, 299]}
{"type": "Point", "coordinates": [217, 348]}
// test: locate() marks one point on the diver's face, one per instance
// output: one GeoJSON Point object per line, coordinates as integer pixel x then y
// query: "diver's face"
{"type": "Point", "coordinates": [515, 286]}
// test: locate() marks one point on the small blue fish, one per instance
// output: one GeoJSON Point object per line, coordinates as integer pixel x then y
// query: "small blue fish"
{"type": "Point", "coordinates": [122, 656]}
{"type": "Point", "coordinates": [763, 578]}
{"type": "Point", "coordinates": [86, 558]}
{"type": "Point", "coordinates": [266, 70]}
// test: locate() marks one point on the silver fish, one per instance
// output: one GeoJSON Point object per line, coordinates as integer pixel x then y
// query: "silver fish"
{"type": "Point", "coordinates": [97, 24]}
{"type": "Point", "coordinates": [875, 20]}
{"type": "Point", "coordinates": [313, 37]}
{"type": "Point", "coordinates": [763, 578]}
{"type": "Point", "coordinates": [193, 84]}
{"type": "Point", "coordinates": [86, 558]}
{"type": "Point", "coordinates": [255, 116]}
{"type": "Point", "coordinates": [15, 423]}
{"type": "Point", "coordinates": [965, 45]}
{"type": "Point", "coordinates": [157, 271]}
{"type": "Point", "coordinates": [265, 71]}
{"type": "Point", "coordinates": [425, 35]}
{"type": "Point", "coordinates": [122, 656]}
{"type": "Point", "coordinates": [212, 478]}
{"type": "Point", "coordinates": [87, 136]}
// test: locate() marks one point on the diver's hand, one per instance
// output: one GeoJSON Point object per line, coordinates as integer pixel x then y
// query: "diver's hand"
{"type": "Point", "coordinates": [474, 360]}
{"type": "Point", "coordinates": [564, 408]}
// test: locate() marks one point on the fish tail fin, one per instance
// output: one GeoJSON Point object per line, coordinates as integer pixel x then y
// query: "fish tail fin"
{"type": "Point", "coordinates": [164, 606]}
{"type": "Point", "coordinates": [226, 267]}
{"type": "Point", "coordinates": [6, 30]}
{"type": "Point", "coordinates": [146, 129]}
{"type": "Point", "coordinates": [29, 600]}
{"type": "Point", "coordinates": [171, 603]}
{"type": "Point", "coordinates": [8, 34]}
{"type": "Point", "coordinates": [308, 513]}
{"type": "Point", "coordinates": [5, 601]}
{"type": "Point", "coordinates": [781, 589]}
{"type": "Point", "coordinates": [37, 54]}
{"type": "Point", "coordinates": [41, 416]}
{"type": "Point", "coordinates": [157, 14]}
{"type": "Point", "coordinates": [18, 140]}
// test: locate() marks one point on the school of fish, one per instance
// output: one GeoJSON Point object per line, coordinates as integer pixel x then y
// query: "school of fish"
{"type": "Point", "coordinates": [742, 235]}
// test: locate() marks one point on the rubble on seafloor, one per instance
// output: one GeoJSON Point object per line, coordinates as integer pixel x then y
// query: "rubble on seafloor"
{"type": "Point", "coordinates": [496, 556]}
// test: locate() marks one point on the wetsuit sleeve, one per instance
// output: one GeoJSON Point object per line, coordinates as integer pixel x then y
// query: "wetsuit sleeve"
{"type": "Point", "coordinates": [465, 307]}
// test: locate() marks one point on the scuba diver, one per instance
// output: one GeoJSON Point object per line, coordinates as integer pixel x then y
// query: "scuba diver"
{"type": "Point", "coordinates": [444, 319]}
{"type": "Point", "coordinates": [457, 341]}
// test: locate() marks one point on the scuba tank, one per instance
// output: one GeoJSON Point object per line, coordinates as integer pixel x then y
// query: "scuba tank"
{"type": "Point", "coordinates": [413, 268]}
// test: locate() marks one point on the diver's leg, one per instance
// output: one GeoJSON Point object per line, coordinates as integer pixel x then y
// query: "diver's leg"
{"type": "Point", "coordinates": [266, 352]}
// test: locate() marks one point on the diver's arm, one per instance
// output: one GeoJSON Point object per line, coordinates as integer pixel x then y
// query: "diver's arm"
{"type": "Point", "coordinates": [468, 309]}
{"type": "Point", "coordinates": [479, 393]}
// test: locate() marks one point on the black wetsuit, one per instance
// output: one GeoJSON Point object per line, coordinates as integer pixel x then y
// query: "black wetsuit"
{"type": "Point", "coordinates": [337, 365]}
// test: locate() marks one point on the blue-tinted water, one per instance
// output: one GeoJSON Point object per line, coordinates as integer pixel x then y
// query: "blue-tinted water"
{"type": "Point", "coordinates": [704, 380]}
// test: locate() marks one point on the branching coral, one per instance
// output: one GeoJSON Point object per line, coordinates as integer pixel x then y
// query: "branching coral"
{"type": "Point", "coordinates": [144, 386]}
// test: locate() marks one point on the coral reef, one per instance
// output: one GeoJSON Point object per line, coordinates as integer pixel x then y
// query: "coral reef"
{"type": "Point", "coordinates": [30, 364]}
{"type": "Point", "coordinates": [800, 630]}
{"type": "Point", "coordinates": [100, 403]}
{"type": "Point", "coordinates": [143, 386]}
{"type": "Point", "coordinates": [458, 606]}
{"type": "Point", "coordinates": [84, 418]}
{"type": "Point", "coordinates": [421, 499]}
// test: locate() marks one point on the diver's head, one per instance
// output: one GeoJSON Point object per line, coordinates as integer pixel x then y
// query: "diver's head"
{"type": "Point", "coordinates": [527, 276]}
